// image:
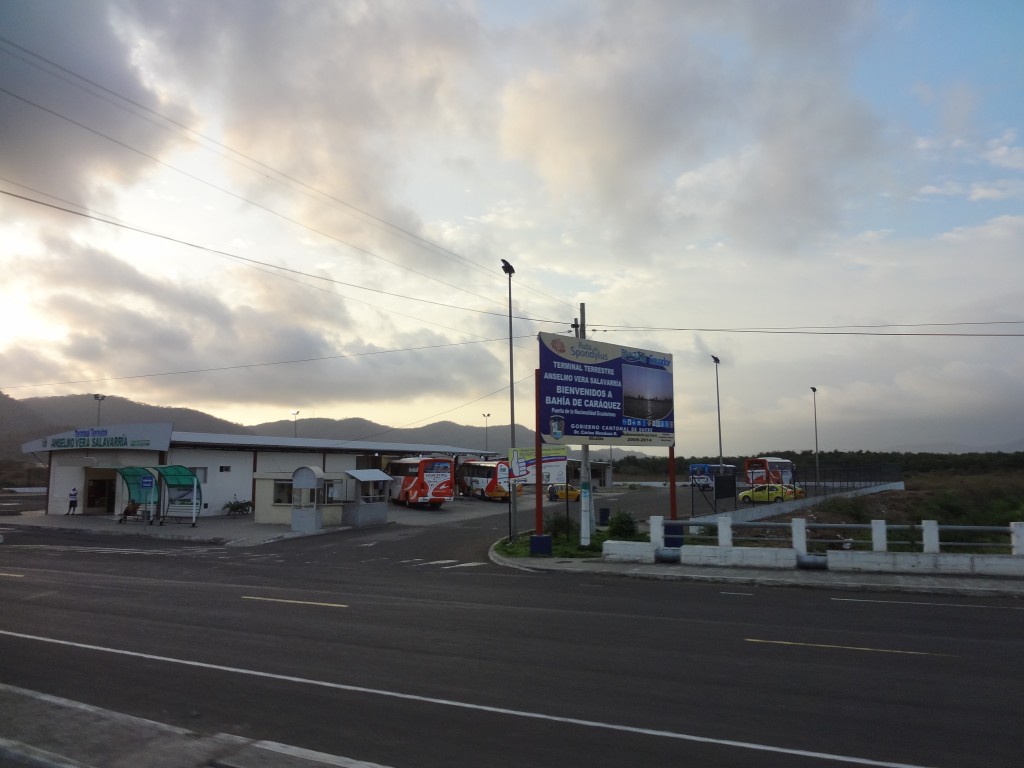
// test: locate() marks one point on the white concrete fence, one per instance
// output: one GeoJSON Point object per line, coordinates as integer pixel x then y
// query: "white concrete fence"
{"type": "Point", "coordinates": [879, 560]}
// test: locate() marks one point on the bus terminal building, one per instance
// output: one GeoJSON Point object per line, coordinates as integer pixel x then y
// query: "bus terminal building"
{"type": "Point", "coordinates": [195, 475]}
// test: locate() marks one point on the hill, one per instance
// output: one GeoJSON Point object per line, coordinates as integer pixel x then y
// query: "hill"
{"type": "Point", "coordinates": [24, 420]}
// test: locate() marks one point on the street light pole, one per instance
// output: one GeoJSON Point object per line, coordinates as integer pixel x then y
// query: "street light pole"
{"type": "Point", "coordinates": [814, 396]}
{"type": "Point", "coordinates": [295, 422]}
{"type": "Point", "coordinates": [718, 402]}
{"type": "Point", "coordinates": [509, 270]}
{"type": "Point", "coordinates": [99, 402]}
{"type": "Point", "coordinates": [486, 417]}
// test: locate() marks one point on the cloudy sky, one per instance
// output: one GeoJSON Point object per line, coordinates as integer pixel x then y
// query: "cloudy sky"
{"type": "Point", "coordinates": [252, 207]}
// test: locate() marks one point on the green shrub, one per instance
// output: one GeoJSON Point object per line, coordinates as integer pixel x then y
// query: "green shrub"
{"type": "Point", "coordinates": [622, 526]}
{"type": "Point", "coordinates": [560, 526]}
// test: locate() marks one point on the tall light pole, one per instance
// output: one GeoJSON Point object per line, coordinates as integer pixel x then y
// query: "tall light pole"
{"type": "Point", "coordinates": [509, 270]}
{"type": "Point", "coordinates": [99, 403]}
{"type": "Point", "coordinates": [814, 397]}
{"type": "Point", "coordinates": [486, 417]}
{"type": "Point", "coordinates": [718, 402]}
{"type": "Point", "coordinates": [295, 422]}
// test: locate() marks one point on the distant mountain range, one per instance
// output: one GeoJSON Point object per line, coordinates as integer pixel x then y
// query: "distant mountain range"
{"type": "Point", "coordinates": [35, 417]}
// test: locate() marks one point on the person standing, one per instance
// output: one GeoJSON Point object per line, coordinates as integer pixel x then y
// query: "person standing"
{"type": "Point", "coordinates": [72, 501]}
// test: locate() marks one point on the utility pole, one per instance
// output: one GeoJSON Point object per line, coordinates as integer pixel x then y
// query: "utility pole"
{"type": "Point", "coordinates": [586, 499]}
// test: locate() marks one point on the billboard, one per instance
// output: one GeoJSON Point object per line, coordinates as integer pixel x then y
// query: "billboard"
{"type": "Point", "coordinates": [597, 393]}
{"type": "Point", "coordinates": [553, 464]}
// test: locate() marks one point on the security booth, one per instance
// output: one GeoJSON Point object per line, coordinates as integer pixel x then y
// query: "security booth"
{"type": "Point", "coordinates": [307, 484]}
{"type": "Point", "coordinates": [370, 504]}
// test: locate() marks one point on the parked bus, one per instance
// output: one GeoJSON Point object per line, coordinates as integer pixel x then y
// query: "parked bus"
{"type": "Point", "coordinates": [485, 479]}
{"type": "Point", "coordinates": [769, 469]}
{"type": "Point", "coordinates": [702, 475]}
{"type": "Point", "coordinates": [422, 480]}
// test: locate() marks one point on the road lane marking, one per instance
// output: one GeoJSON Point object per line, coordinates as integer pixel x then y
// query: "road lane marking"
{"type": "Point", "coordinates": [922, 602]}
{"type": "Point", "coordinates": [13, 575]}
{"type": "Point", "coordinates": [293, 602]}
{"type": "Point", "coordinates": [741, 594]}
{"type": "Point", "coordinates": [436, 562]}
{"type": "Point", "coordinates": [846, 647]}
{"type": "Point", "coordinates": [596, 724]}
{"type": "Point", "coordinates": [462, 565]}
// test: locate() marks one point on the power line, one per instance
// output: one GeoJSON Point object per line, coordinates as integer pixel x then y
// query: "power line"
{"type": "Point", "coordinates": [113, 222]}
{"type": "Point", "coordinates": [838, 330]}
{"type": "Point", "coordinates": [244, 366]}
{"type": "Point", "coordinates": [70, 77]}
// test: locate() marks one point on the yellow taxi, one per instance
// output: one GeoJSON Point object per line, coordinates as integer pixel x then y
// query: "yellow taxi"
{"type": "Point", "coordinates": [773, 493]}
{"type": "Point", "coordinates": [562, 491]}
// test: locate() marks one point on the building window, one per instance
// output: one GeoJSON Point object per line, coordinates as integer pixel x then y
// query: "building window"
{"type": "Point", "coordinates": [283, 491]}
{"type": "Point", "coordinates": [225, 468]}
{"type": "Point", "coordinates": [199, 472]}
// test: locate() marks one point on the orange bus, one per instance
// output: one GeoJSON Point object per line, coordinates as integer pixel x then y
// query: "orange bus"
{"type": "Point", "coordinates": [486, 479]}
{"type": "Point", "coordinates": [422, 480]}
{"type": "Point", "coordinates": [769, 469]}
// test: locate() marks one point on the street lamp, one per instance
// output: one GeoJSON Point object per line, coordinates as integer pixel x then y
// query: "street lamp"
{"type": "Point", "coordinates": [486, 417]}
{"type": "Point", "coordinates": [295, 422]}
{"type": "Point", "coordinates": [99, 403]}
{"type": "Point", "coordinates": [814, 396]}
{"type": "Point", "coordinates": [718, 402]}
{"type": "Point", "coordinates": [509, 270]}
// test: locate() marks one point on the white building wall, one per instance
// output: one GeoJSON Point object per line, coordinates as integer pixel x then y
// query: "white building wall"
{"type": "Point", "coordinates": [274, 466]}
{"type": "Point", "coordinates": [228, 475]}
{"type": "Point", "coordinates": [73, 469]}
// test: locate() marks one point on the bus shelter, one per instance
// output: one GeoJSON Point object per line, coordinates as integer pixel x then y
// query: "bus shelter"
{"type": "Point", "coordinates": [164, 491]}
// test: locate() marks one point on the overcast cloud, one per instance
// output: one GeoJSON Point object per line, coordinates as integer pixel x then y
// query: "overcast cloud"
{"type": "Point", "coordinates": [316, 196]}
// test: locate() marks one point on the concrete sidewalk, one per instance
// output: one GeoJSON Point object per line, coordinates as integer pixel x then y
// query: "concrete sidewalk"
{"type": "Point", "coordinates": [237, 531]}
{"type": "Point", "coordinates": [44, 731]}
{"type": "Point", "coordinates": [971, 586]}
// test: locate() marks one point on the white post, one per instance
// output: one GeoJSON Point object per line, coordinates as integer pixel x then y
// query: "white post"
{"type": "Point", "coordinates": [1017, 538]}
{"type": "Point", "coordinates": [724, 531]}
{"type": "Point", "coordinates": [657, 523]}
{"type": "Point", "coordinates": [799, 528]}
{"type": "Point", "coordinates": [586, 500]}
{"type": "Point", "coordinates": [879, 541]}
{"type": "Point", "coordinates": [930, 535]}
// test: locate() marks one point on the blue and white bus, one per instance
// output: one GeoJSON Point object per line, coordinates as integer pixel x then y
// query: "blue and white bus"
{"type": "Point", "coordinates": [702, 475]}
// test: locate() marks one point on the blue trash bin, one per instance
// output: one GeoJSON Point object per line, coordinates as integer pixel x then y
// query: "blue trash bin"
{"type": "Point", "coordinates": [674, 533]}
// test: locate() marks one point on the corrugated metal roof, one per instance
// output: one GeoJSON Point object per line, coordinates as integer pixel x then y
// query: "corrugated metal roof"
{"type": "Point", "coordinates": [313, 444]}
{"type": "Point", "coordinates": [364, 475]}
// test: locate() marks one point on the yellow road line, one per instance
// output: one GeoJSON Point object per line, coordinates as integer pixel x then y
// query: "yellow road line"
{"type": "Point", "coordinates": [294, 602]}
{"type": "Point", "coordinates": [845, 647]}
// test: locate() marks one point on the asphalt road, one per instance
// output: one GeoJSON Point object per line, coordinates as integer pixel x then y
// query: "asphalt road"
{"type": "Point", "coordinates": [404, 646]}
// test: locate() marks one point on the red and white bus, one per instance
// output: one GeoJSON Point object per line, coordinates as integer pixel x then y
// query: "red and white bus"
{"type": "Point", "coordinates": [769, 469]}
{"type": "Point", "coordinates": [422, 480]}
{"type": "Point", "coordinates": [485, 479]}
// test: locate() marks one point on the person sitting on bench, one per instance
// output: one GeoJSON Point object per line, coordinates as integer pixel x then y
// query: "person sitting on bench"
{"type": "Point", "coordinates": [132, 508]}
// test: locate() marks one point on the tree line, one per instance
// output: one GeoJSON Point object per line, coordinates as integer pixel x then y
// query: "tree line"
{"type": "Point", "coordinates": [957, 463]}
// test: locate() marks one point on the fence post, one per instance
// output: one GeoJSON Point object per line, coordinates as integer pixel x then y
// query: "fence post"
{"type": "Point", "coordinates": [1017, 538]}
{"type": "Point", "coordinates": [879, 540]}
{"type": "Point", "coordinates": [799, 528]}
{"type": "Point", "coordinates": [657, 524]}
{"type": "Point", "coordinates": [724, 531]}
{"type": "Point", "coordinates": [930, 534]}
